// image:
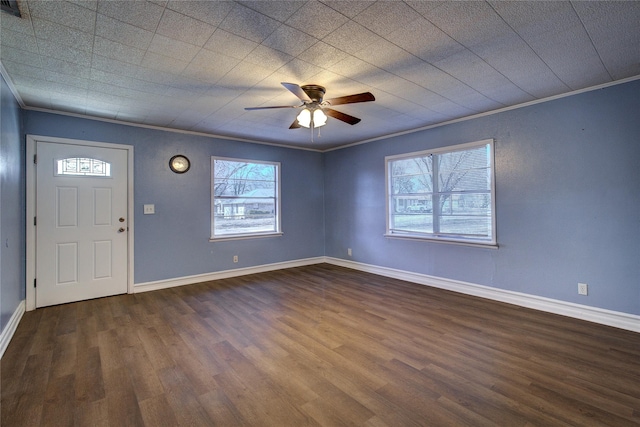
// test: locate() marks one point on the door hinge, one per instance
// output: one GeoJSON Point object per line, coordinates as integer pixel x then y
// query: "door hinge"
{"type": "Point", "coordinates": [34, 283]}
{"type": "Point", "coordinates": [35, 222]}
{"type": "Point", "coordinates": [35, 159]}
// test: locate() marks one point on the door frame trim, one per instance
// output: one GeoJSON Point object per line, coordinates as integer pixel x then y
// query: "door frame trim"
{"type": "Point", "coordinates": [30, 167]}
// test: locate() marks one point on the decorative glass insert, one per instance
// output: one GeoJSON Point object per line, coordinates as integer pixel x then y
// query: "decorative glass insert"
{"type": "Point", "coordinates": [82, 166]}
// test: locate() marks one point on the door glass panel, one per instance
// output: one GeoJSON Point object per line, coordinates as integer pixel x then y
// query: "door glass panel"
{"type": "Point", "coordinates": [82, 166]}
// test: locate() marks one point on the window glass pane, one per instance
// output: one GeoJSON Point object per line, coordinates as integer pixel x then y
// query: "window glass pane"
{"type": "Point", "coordinates": [408, 222]}
{"type": "Point", "coordinates": [240, 218]}
{"type": "Point", "coordinates": [465, 226]}
{"type": "Point", "coordinates": [412, 176]}
{"type": "Point", "coordinates": [244, 188]}
{"type": "Point", "coordinates": [412, 204]}
{"type": "Point", "coordinates": [245, 198]}
{"type": "Point", "coordinates": [465, 180]}
{"type": "Point", "coordinates": [466, 204]}
{"type": "Point", "coordinates": [412, 184]}
{"type": "Point", "coordinates": [413, 166]}
{"type": "Point", "coordinates": [464, 170]}
{"type": "Point", "coordinates": [464, 159]}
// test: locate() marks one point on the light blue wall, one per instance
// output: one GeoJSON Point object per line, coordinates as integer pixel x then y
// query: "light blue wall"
{"type": "Point", "coordinates": [174, 242]}
{"type": "Point", "coordinates": [12, 240]}
{"type": "Point", "coordinates": [568, 201]}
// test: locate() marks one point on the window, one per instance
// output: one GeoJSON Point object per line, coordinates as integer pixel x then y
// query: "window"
{"type": "Point", "coordinates": [245, 199]}
{"type": "Point", "coordinates": [81, 166]}
{"type": "Point", "coordinates": [444, 194]}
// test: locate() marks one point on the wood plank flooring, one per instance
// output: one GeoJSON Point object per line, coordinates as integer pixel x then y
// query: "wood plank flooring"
{"type": "Point", "coordinates": [315, 346]}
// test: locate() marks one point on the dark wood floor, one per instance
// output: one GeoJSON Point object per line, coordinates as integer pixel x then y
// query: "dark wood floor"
{"type": "Point", "coordinates": [317, 345]}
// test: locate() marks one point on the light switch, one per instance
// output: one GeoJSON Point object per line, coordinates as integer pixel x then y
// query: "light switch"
{"type": "Point", "coordinates": [149, 209]}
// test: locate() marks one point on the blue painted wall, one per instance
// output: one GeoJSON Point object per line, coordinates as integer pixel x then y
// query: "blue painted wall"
{"type": "Point", "coordinates": [174, 242]}
{"type": "Point", "coordinates": [12, 238]}
{"type": "Point", "coordinates": [568, 191]}
{"type": "Point", "coordinates": [568, 201]}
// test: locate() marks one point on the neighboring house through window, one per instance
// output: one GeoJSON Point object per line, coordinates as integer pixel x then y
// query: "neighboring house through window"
{"type": "Point", "coordinates": [245, 198]}
{"type": "Point", "coordinates": [443, 194]}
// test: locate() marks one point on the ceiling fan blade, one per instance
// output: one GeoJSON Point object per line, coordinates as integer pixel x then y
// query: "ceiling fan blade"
{"type": "Point", "coordinates": [295, 124]}
{"type": "Point", "coordinates": [297, 91]}
{"type": "Point", "coordinates": [268, 108]}
{"type": "Point", "coordinates": [351, 99]}
{"type": "Point", "coordinates": [341, 116]}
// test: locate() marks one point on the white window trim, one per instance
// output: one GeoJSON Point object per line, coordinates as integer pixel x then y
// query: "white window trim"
{"type": "Point", "coordinates": [254, 235]}
{"type": "Point", "coordinates": [493, 243]}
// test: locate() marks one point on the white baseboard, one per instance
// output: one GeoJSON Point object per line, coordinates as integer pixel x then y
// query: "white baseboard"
{"type": "Point", "coordinates": [10, 329]}
{"type": "Point", "coordinates": [616, 319]}
{"type": "Point", "coordinates": [190, 280]}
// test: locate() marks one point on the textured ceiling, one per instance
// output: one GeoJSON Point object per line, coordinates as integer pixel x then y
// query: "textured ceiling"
{"type": "Point", "coordinates": [195, 65]}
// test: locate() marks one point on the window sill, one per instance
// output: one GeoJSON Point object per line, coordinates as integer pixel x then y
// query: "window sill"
{"type": "Point", "coordinates": [487, 245]}
{"type": "Point", "coordinates": [243, 237]}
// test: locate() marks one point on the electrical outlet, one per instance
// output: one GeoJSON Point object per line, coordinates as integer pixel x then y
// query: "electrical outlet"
{"type": "Point", "coordinates": [235, 258]}
{"type": "Point", "coordinates": [149, 209]}
{"type": "Point", "coordinates": [583, 289]}
{"type": "Point", "coordinates": [349, 252]}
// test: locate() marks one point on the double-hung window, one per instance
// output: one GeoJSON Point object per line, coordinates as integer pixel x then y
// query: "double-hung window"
{"type": "Point", "coordinates": [245, 198]}
{"type": "Point", "coordinates": [443, 194]}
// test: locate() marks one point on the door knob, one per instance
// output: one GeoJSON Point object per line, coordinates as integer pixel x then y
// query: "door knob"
{"type": "Point", "coordinates": [121, 229]}
{"type": "Point", "coordinates": [121, 219]}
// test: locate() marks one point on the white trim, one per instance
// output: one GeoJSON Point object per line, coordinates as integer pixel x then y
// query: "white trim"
{"type": "Point", "coordinates": [601, 316]}
{"type": "Point", "coordinates": [12, 87]}
{"type": "Point", "coordinates": [417, 238]}
{"type": "Point", "coordinates": [445, 149]}
{"type": "Point", "coordinates": [30, 169]}
{"type": "Point", "coordinates": [18, 98]}
{"type": "Point", "coordinates": [488, 113]}
{"type": "Point", "coordinates": [10, 328]}
{"type": "Point", "coordinates": [167, 129]}
{"type": "Point", "coordinates": [244, 237]}
{"type": "Point", "coordinates": [616, 319]}
{"type": "Point", "coordinates": [198, 278]}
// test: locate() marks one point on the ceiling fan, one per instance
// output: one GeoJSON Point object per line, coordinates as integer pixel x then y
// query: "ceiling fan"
{"type": "Point", "coordinates": [315, 109]}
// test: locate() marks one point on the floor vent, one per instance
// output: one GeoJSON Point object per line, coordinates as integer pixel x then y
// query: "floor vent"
{"type": "Point", "coordinates": [10, 6]}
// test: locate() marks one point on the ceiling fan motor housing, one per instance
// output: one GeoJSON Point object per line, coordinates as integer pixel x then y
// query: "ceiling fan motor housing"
{"type": "Point", "coordinates": [315, 92]}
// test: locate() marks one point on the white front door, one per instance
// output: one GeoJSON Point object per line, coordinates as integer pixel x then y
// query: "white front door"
{"type": "Point", "coordinates": [81, 222]}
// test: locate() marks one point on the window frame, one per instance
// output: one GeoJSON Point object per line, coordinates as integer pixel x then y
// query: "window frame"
{"type": "Point", "coordinates": [277, 202]}
{"type": "Point", "coordinates": [436, 236]}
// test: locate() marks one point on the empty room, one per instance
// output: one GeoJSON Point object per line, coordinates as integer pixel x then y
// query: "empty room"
{"type": "Point", "coordinates": [319, 213]}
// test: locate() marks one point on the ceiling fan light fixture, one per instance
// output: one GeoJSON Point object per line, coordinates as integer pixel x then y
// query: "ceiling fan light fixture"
{"type": "Point", "coordinates": [304, 118]}
{"type": "Point", "coordinates": [312, 117]}
{"type": "Point", "coordinates": [319, 118]}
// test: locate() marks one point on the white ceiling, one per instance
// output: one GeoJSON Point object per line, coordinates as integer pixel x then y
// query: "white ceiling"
{"type": "Point", "coordinates": [195, 65]}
